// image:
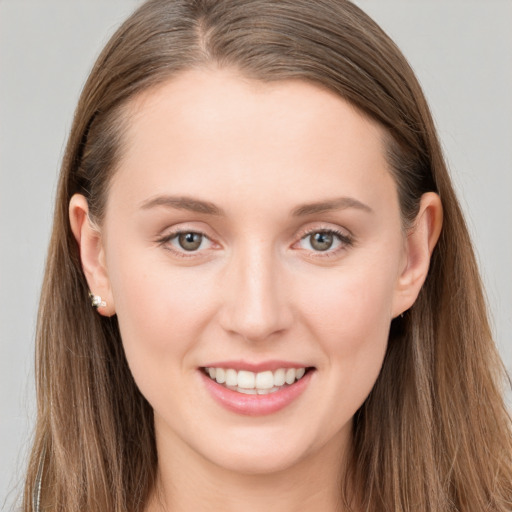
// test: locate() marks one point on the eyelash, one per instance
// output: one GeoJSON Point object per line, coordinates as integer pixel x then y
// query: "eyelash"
{"type": "Point", "coordinates": [165, 242]}
{"type": "Point", "coordinates": [345, 240]}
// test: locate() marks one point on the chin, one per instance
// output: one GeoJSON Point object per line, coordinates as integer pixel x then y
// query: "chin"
{"type": "Point", "coordinates": [261, 464]}
{"type": "Point", "coordinates": [255, 452]}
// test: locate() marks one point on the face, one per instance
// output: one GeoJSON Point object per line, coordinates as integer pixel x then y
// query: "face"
{"type": "Point", "coordinates": [252, 229]}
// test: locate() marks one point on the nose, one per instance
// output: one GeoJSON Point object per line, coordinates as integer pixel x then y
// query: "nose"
{"type": "Point", "coordinates": [256, 303]}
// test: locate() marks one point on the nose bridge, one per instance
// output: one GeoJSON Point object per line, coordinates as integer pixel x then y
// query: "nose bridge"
{"type": "Point", "coordinates": [256, 301]}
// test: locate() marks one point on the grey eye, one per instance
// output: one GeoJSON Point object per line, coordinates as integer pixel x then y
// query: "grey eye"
{"type": "Point", "coordinates": [321, 241]}
{"type": "Point", "coordinates": [190, 241]}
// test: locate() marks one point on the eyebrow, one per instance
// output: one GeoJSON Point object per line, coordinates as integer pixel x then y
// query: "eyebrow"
{"type": "Point", "coordinates": [183, 203]}
{"type": "Point", "coordinates": [340, 203]}
{"type": "Point", "coordinates": [206, 207]}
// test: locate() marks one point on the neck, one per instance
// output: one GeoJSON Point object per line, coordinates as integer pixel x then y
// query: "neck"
{"type": "Point", "coordinates": [187, 481]}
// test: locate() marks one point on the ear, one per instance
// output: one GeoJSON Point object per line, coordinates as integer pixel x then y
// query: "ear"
{"type": "Point", "coordinates": [419, 244]}
{"type": "Point", "coordinates": [92, 254]}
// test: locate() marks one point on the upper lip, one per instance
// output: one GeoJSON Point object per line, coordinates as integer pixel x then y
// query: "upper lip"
{"type": "Point", "coordinates": [270, 365]}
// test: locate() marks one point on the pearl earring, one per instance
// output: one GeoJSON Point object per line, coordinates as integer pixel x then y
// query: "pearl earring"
{"type": "Point", "coordinates": [96, 301]}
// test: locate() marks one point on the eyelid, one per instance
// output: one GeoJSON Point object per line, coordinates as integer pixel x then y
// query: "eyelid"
{"type": "Point", "coordinates": [344, 235]}
{"type": "Point", "coordinates": [165, 241]}
{"type": "Point", "coordinates": [324, 227]}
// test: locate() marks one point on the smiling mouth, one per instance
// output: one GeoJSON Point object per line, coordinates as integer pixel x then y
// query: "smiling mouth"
{"type": "Point", "coordinates": [251, 383]}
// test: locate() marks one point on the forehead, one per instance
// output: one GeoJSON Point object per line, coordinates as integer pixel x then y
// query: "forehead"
{"type": "Point", "coordinates": [225, 99]}
{"type": "Point", "coordinates": [208, 131]}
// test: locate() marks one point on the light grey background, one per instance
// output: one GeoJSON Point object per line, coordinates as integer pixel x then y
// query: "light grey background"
{"type": "Point", "coordinates": [461, 51]}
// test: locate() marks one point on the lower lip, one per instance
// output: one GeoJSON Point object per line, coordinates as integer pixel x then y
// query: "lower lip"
{"type": "Point", "coordinates": [256, 405]}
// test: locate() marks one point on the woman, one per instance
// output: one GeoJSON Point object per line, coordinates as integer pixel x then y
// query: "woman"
{"type": "Point", "coordinates": [260, 288]}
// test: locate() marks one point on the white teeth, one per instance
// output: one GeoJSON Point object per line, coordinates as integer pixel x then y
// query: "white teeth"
{"type": "Point", "coordinates": [290, 376]}
{"type": "Point", "coordinates": [253, 391]}
{"type": "Point", "coordinates": [279, 377]}
{"type": "Point", "coordinates": [252, 383]}
{"type": "Point", "coordinates": [265, 380]}
{"type": "Point", "coordinates": [267, 391]}
{"type": "Point", "coordinates": [246, 379]}
{"type": "Point", "coordinates": [220, 375]}
{"type": "Point", "coordinates": [231, 377]}
{"type": "Point", "coordinates": [246, 391]}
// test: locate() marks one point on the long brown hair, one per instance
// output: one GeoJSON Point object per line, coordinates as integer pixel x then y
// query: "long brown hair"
{"type": "Point", "coordinates": [434, 434]}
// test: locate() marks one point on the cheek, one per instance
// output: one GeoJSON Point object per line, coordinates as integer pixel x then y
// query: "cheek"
{"type": "Point", "coordinates": [351, 325]}
{"type": "Point", "coordinates": [351, 309]}
{"type": "Point", "coordinates": [160, 310]}
{"type": "Point", "coordinates": [350, 318]}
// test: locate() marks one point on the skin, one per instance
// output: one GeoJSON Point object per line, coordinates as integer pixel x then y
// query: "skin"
{"type": "Point", "coordinates": [256, 290]}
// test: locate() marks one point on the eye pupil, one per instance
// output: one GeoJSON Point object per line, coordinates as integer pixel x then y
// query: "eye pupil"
{"type": "Point", "coordinates": [321, 241]}
{"type": "Point", "coordinates": [190, 241]}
